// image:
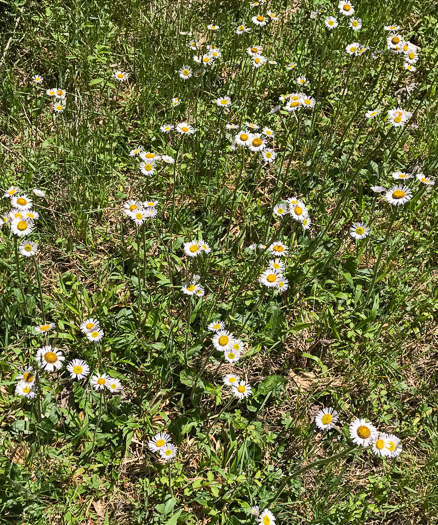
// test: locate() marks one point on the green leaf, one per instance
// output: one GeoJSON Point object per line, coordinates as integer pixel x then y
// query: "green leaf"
{"type": "Point", "coordinates": [174, 519]}
{"type": "Point", "coordinates": [96, 81]}
{"type": "Point", "coordinates": [274, 384]}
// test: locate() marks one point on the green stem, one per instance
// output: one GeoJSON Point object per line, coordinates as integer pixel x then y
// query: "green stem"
{"type": "Point", "coordinates": [222, 410]}
{"type": "Point", "coordinates": [38, 277]}
{"type": "Point", "coordinates": [170, 480]}
{"type": "Point", "coordinates": [17, 262]}
{"type": "Point", "coordinates": [188, 329]}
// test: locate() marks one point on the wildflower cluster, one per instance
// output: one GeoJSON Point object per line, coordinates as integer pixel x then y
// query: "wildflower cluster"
{"type": "Point", "coordinates": [162, 444]}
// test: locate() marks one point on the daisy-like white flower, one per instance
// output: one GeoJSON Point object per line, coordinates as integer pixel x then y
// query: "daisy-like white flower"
{"type": "Point", "coordinates": [28, 375]}
{"type": "Point", "coordinates": [34, 215]}
{"type": "Point", "coordinates": [398, 117]}
{"type": "Point", "coordinates": [280, 210]}
{"type": "Point", "coordinates": [378, 189]}
{"type": "Point", "coordinates": [242, 29]}
{"type": "Point", "coordinates": [215, 326]}
{"type": "Point", "coordinates": [185, 129]}
{"type": "Point", "coordinates": [212, 27]}
{"type": "Point", "coordinates": [28, 248]}
{"type": "Point", "coordinates": [269, 155]}
{"type": "Point", "coordinates": [78, 369]}
{"type": "Point", "coordinates": [307, 102]}
{"type": "Point", "coordinates": [277, 265]}
{"type": "Point", "coordinates": [272, 16]}
{"type": "Point", "coordinates": [326, 418]}
{"type": "Point", "coordinates": [185, 33]}
{"type": "Point", "coordinates": [15, 214]}
{"type": "Point", "coordinates": [199, 73]}
{"type": "Point", "coordinates": [254, 50]}
{"type": "Point", "coordinates": [270, 278]}
{"type": "Point", "coordinates": [38, 193]}
{"type": "Point", "coordinates": [266, 518]}
{"type": "Point", "coordinates": [166, 128]}
{"type": "Point", "coordinates": [331, 22]}
{"type": "Point", "coordinates": [282, 285]}
{"type": "Point", "coordinates": [355, 24]}
{"type": "Point", "coordinates": [359, 230]}
{"type": "Point", "coordinates": [159, 441]}
{"type": "Point", "coordinates": [352, 49]}
{"type": "Point", "coordinates": [185, 72]}
{"type": "Point", "coordinates": [398, 195]}
{"type": "Point", "coordinates": [135, 151]}
{"type": "Point", "coordinates": [268, 132]}
{"type": "Point", "coordinates": [232, 356]}
{"type": "Point", "coordinates": [58, 107]}
{"type": "Point", "coordinates": [223, 102]}
{"type": "Point", "coordinates": [140, 216]}
{"type": "Point", "coordinates": [231, 126]}
{"type": "Point", "coordinates": [411, 56]}
{"type": "Point", "coordinates": [147, 168]}
{"type": "Point", "coordinates": [44, 328]}
{"type": "Point", "coordinates": [207, 60]}
{"type": "Point", "coordinates": [362, 433]}
{"type": "Point", "coordinates": [255, 511]}
{"type": "Point", "coordinates": [243, 138]}
{"type": "Point", "coordinates": [256, 142]}
{"type": "Point", "coordinates": [22, 226]}
{"type": "Point", "coordinates": [293, 103]}
{"type": "Point", "coordinates": [25, 390]}
{"type": "Point", "coordinates": [393, 445]}
{"type": "Point", "coordinates": [291, 66]}
{"type": "Point", "coordinates": [51, 92]}
{"type": "Point", "coordinates": [131, 206]}
{"type": "Point", "coordinates": [89, 325]}
{"type": "Point", "coordinates": [258, 60]}
{"type": "Point", "coordinates": [49, 358]}
{"type": "Point", "coordinates": [408, 66]}
{"type": "Point", "coordinates": [204, 246]}
{"type": "Point", "coordinates": [200, 292]}
{"type": "Point", "coordinates": [238, 345]}
{"type": "Point", "coordinates": [192, 248]}
{"type": "Point", "coordinates": [392, 28]}
{"type": "Point", "coordinates": [362, 50]}
{"type": "Point", "coordinates": [21, 202]}
{"type": "Point", "coordinates": [306, 222]}
{"type": "Point", "coordinates": [148, 156]}
{"type": "Point", "coordinates": [394, 42]}
{"type": "Point", "coordinates": [176, 102]}
{"type": "Point", "coordinates": [95, 336]}
{"type": "Point", "coordinates": [194, 44]}
{"type": "Point", "coordinates": [215, 53]}
{"type": "Point", "coordinates": [401, 175]}
{"type": "Point", "coordinates": [278, 248]}
{"type": "Point", "coordinates": [189, 288]}
{"type": "Point", "coordinates": [114, 385]}
{"type": "Point", "coordinates": [120, 76]}
{"type": "Point", "coordinates": [259, 20]}
{"type": "Point", "coordinates": [168, 159]}
{"type": "Point", "coordinates": [380, 445]}
{"type": "Point", "coordinates": [4, 219]}
{"type": "Point", "coordinates": [252, 125]}
{"type": "Point", "coordinates": [373, 113]}
{"type": "Point", "coordinates": [231, 379]}
{"type": "Point", "coordinates": [60, 93]}
{"type": "Point", "coordinates": [425, 180]}
{"type": "Point", "coordinates": [241, 390]}
{"type": "Point", "coordinates": [223, 340]}
{"type": "Point", "coordinates": [99, 381]}
{"type": "Point", "coordinates": [37, 79]}
{"type": "Point", "coordinates": [10, 192]}
{"type": "Point", "coordinates": [298, 211]}
{"type": "Point", "coordinates": [302, 81]}
{"type": "Point", "coordinates": [346, 8]}
{"type": "Point", "coordinates": [344, 92]}
{"type": "Point", "coordinates": [168, 452]}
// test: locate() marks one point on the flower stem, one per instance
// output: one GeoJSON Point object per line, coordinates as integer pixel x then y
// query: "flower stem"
{"type": "Point", "coordinates": [38, 278]}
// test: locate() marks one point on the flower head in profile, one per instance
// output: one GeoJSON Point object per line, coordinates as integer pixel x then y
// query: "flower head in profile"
{"type": "Point", "coordinates": [359, 230]}
{"type": "Point", "coordinates": [241, 389]}
{"type": "Point", "coordinates": [213, 27]}
{"type": "Point", "coordinates": [216, 326]}
{"type": "Point", "coordinates": [185, 129]}
{"type": "Point", "coordinates": [78, 369]}
{"type": "Point", "coordinates": [373, 113]}
{"type": "Point", "coordinates": [10, 192]}
{"type": "Point", "coordinates": [362, 433]}
{"type": "Point", "coordinates": [392, 28]}
{"type": "Point", "coordinates": [398, 195]}
{"type": "Point", "coordinates": [425, 180]}
{"type": "Point", "coordinates": [51, 92]}
{"type": "Point", "coordinates": [243, 29]}
{"type": "Point", "coordinates": [401, 175]}
{"type": "Point", "coordinates": [326, 418]}
{"type": "Point", "coordinates": [272, 16]}
{"type": "Point", "coordinates": [159, 441]}
{"type": "Point", "coordinates": [120, 76]}
{"type": "Point", "coordinates": [168, 452]}
{"type": "Point", "coordinates": [49, 358]}
{"type": "Point", "coordinates": [28, 248]}
{"type": "Point", "coordinates": [254, 50]}
{"type": "Point", "coordinates": [168, 159]}
{"type": "Point", "coordinates": [378, 189]}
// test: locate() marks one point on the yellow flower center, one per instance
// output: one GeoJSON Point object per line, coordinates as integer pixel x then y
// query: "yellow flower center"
{"type": "Point", "coordinates": [77, 369]}
{"type": "Point", "coordinates": [60, 92]}
{"type": "Point", "coordinates": [224, 102]}
{"type": "Point", "coordinates": [271, 278]}
{"type": "Point", "coordinates": [298, 210]}
{"type": "Point", "coordinates": [191, 287]}
{"type": "Point", "coordinates": [302, 81]}
{"type": "Point", "coordinates": [139, 216]}
{"type": "Point", "coordinates": [360, 231]}
{"type": "Point", "coordinates": [257, 60]}
{"type": "Point", "coordinates": [28, 377]}
{"type": "Point", "coordinates": [185, 129]}
{"type": "Point", "coordinates": [257, 142]}
{"type": "Point", "coordinates": [89, 326]}
{"type": "Point", "coordinates": [280, 210]}
{"type": "Point", "coordinates": [37, 79]}
{"type": "Point", "coordinates": [150, 155]}
{"type": "Point", "coordinates": [363, 432]}
{"type": "Point", "coordinates": [276, 266]}
{"type": "Point", "coordinates": [354, 23]}
{"type": "Point", "coordinates": [185, 72]}
{"type": "Point", "coordinates": [353, 49]}
{"type": "Point", "coordinates": [160, 443]}
{"type": "Point", "coordinates": [119, 75]}
{"type": "Point", "coordinates": [244, 137]}
{"type": "Point", "coordinates": [194, 248]}
{"type": "Point", "coordinates": [26, 390]}
{"type": "Point", "coordinates": [232, 379]}
{"type": "Point", "coordinates": [395, 40]}
{"type": "Point", "coordinates": [101, 381]}
{"type": "Point", "coordinates": [231, 355]}
{"type": "Point", "coordinates": [44, 327]}
{"type": "Point", "coordinates": [22, 226]}
{"type": "Point", "coordinates": [168, 452]}
{"type": "Point", "coordinates": [294, 104]}
{"type": "Point", "coordinates": [17, 215]}
{"type": "Point", "coordinates": [241, 28]}
{"type": "Point", "coordinates": [346, 7]}
{"type": "Point", "coordinates": [151, 204]}
{"type": "Point", "coordinates": [216, 326]}
{"type": "Point", "coordinates": [94, 334]}
{"type": "Point", "coordinates": [50, 357]}
{"type": "Point", "coordinates": [148, 167]}
{"type": "Point", "coordinates": [206, 59]}
{"type": "Point", "coordinates": [398, 119]}
{"type": "Point", "coordinates": [131, 208]}
{"type": "Point", "coordinates": [236, 346]}
{"type": "Point", "coordinates": [113, 386]}
{"type": "Point", "coordinates": [424, 179]}
{"type": "Point", "coordinates": [412, 56]}
{"type": "Point", "coordinates": [307, 101]}
{"type": "Point", "coordinates": [28, 248]}
{"type": "Point", "coordinates": [380, 444]}
{"type": "Point", "coordinates": [278, 248]}
{"type": "Point", "coordinates": [21, 201]}
{"type": "Point", "coordinates": [391, 446]}
{"type": "Point", "coordinates": [398, 194]}
{"type": "Point", "coordinates": [241, 389]}
{"type": "Point", "coordinates": [326, 419]}
{"type": "Point", "coordinates": [11, 192]}
{"type": "Point", "coordinates": [266, 520]}
{"type": "Point", "coordinates": [223, 340]}
{"type": "Point", "coordinates": [261, 18]}
{"type": "Point", "coordinates": [331, 22]}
